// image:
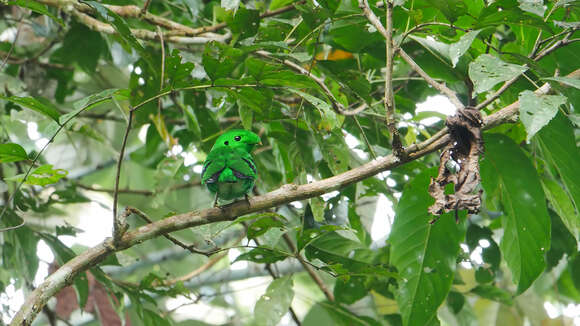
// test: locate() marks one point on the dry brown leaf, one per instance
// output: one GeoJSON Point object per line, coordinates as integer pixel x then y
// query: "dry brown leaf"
{"type": "Point", "coordinates": [462, 151]}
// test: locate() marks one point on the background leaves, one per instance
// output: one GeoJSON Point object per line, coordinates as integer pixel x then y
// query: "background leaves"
{"type": "Point", "coordinates": [363, 254]}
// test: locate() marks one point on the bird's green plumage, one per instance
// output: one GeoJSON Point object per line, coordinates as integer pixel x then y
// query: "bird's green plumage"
{"type": "Point", "coordinates": [229, 169]}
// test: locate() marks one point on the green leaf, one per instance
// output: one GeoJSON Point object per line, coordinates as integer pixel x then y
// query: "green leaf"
{"type": "Point", "coordinates": [487, 70]}
{"type": "Point", "coordinates": [328, 117]}
{"type": "Point", "coordinates": [246, 116]}
{"type": "Point", "coordinates": [12, 153]}
{"type": "Point", "coordinates": [558, 146]}
{"type": "Point", "coordinates": [574, 82]}
{"type": "Point", "coordinates": [563, 242]}
{"type": "Point", "coordinates": [244, 22]}
{"type": "Point", "coordinates": [262, 255]}
{"type": "Point", "coordinates": [43, 175]}
{"type": "Point", "coordinates": [43, 107]}
{"type": "Point", "coordinates": [351, 290]}
{"type": "Point", "coordinates": [455, 301]}
{"type": "Point", "coordinates": [533, 6]}
{"type": "Point", "coordinates": [562, 204]}
{"type": "Point", "coordinates": [526, 222]}
{"type": "Point", "coordinates": [151, 318]}
{"type": "Point", "coordinates": [275, 302]}
{"type": "Point", "coordinates": [120, 25]}
{"type": "Point", "coordinates": [536, 111]}
{"type": "Point", "coordinates": [423, 253]}
{"type": "Point", "coordinates": [36, 7]}
{"type": "Point", "coordinates": [220, 60]}
{"type": "Point", "coordinates": [287, 78]}
{"type": "Point", "coordinates": [83, 46]}
{"type": "Point", "coordinates": [88, 103]}
{"type": "Point", "coordinates": [452, 9]}
{"type": "Point", "coordinates": [262, 225]}
{"type": "Point", "coordinates": [493, 293]}
{"type": "Point", "coordinates": [456, 50]}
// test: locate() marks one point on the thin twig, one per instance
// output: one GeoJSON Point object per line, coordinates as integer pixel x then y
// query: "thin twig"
{"type": "Point", "coordinates": [362, 132]}
{"type": "Point", "coordinates": [451, 95]}
{"type": "Point", "coordinates": [171, 238]}
{"type": "Point", "coordinates": [162, 68]}
{"type": "Point", "coordinates": [145, 7]}
{"type": "Point", "coordinates": [315, 277]}
{"type": "Point", "coordinates": [13, 45]}
{"type": "Point", "coordinates": [119, 222]}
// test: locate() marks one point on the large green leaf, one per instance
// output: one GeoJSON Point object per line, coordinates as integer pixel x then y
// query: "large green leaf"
{"type": "Point", "coordinates": [536, 111]}
{"type": "Point", "coordinates": [526, 222]}
{"type": "Point", "coordinates": [39, 105]}
{"type": "Point", "coordinates": [559, 148]}
{"type": "Point", "coordinates": [275, 302]}
{"type": "Point", "coordinates": [12, 153]}
{"type": "Point", "coordinates": [423, 253]}
{"type": "Point", "coordinates": [487, 70]}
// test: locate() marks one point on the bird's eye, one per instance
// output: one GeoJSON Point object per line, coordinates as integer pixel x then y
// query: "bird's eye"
{"type": "Point", "coordinates": [237, 138]}
{"type": "Point", "coordinates": [226, 143]}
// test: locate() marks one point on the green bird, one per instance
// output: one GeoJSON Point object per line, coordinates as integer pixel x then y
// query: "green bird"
{"type": "Point", "coordinates": [229, 170]}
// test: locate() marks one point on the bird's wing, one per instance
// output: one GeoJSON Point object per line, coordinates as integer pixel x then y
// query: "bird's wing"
{"type": "Point", "coordinates": [214, 164]}
{"type": "Point", "coordinates": [242, 164]}
{"type": "Point", "coordinates": [239, 161]}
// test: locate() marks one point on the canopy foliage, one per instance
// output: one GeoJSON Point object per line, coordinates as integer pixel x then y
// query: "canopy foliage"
{"type": "Point", "coordinates": [109, 108]}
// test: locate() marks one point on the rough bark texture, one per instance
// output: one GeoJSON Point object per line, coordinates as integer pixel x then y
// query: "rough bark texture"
{"type": "Point", "coordinates": [460, 165]}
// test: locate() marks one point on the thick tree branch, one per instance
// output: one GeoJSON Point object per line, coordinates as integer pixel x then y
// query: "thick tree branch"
{"type": "Point", "coordinates": [66, 273]}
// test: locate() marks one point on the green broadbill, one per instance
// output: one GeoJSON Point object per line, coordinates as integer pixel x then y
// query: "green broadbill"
{"type": "Point", "coordinates": [229, 170]}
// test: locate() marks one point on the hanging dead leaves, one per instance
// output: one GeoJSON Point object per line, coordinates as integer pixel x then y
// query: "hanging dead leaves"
{"type": "Point", "coordinates": [459, 164]}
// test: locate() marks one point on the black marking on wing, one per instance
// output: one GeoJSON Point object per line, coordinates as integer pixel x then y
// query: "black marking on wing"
{"type": "Point", "coordinates": [250, 164]}
{"type": "Point", "coordinates": [240, 175]}
{"type": "Point", "coordinates": [205, 165]}
{"type": "Point", "coordinates": [215, 177]}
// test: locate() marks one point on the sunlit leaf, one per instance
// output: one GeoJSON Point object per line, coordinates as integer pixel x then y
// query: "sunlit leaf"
{"type": "Point", "coordinates": [275, 302]}
{"type": "Point", "coordinates": [487, 70]}
{"type": "Point", "coordinates": [537, 111]}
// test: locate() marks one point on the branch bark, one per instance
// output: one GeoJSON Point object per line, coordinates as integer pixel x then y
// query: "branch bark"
{"type": "Point", "coordinates": [288, 193]}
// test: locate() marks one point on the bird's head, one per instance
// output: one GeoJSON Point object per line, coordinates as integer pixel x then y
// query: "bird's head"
{"type": "Point", "coordinates": [238, 138]}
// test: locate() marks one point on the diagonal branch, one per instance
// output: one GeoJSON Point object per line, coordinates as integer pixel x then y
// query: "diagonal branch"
{"type": "Point", "coordinates": [66, 274]}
